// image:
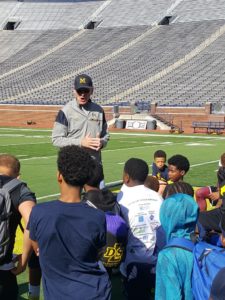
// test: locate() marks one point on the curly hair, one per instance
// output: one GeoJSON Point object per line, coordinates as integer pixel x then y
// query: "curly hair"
{"type": "Point", "coordinates": [180, 161]}
{"type": "Point", "coordinates": [178, 187]}
{"type": "Point", "coordinates": [75, 164]}
{"type": "Point", "coordinates": [137, 169]}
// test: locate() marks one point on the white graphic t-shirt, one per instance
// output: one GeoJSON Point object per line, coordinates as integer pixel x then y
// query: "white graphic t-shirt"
{"type": "Point", "coordinates": [140, 208]}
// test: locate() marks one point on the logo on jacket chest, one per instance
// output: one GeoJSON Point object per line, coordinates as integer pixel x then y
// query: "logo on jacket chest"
{"type": "Point", "coordinates": [94, 116]}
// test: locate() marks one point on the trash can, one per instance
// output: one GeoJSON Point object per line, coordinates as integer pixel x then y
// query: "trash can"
{"type": "Point", "coordinates": [151, 125]}
{"type": "Point", "coordinates": [120, 124]}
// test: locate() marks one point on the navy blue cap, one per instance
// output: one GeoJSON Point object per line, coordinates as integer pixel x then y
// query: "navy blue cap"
{"type": "Point", "coordinates": [83, 81]}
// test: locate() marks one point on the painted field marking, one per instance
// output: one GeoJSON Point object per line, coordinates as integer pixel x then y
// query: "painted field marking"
{"type": "Point", "coordinates": [25, 129]}
{"type": "Point", "coordinates": [44, 197]}
{"type": "Point", "coordinates": [25, 144]}
{"type": "Point", "coordinates": [205, 163]}
{"type": "Point", "coordinates": [169, 135]}
{"type": "Point", "coordinates": [119, 181]}
{"type": "Point", "coordinates": [125, 134]}
{"type": "Point", "coordinates": [40, 157]}
{"type": "Point", "coordinates": [147, 146]}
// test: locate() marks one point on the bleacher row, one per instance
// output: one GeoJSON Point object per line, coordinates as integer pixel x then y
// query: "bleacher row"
{"type": "Point", "coordinates": [128, 56]}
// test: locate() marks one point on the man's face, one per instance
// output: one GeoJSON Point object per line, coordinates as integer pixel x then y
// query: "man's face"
{"type": "Point", "coordinates": [83, 95]}
{"type": "Point", "coordinates": [174, 173]}
{"type": "Point", "coordinates": [160, 162]}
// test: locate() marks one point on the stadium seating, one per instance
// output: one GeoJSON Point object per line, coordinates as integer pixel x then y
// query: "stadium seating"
{"type": "Point", "coordinates": [129, 56]}
{"type": "Point", "coordinates": [197, 10]}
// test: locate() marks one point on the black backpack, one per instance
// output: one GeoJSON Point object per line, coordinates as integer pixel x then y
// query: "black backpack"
{"type": "Point", "coordinates": [5, 212]}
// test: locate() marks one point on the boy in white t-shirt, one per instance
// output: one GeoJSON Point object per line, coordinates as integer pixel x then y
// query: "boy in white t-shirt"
{"type": "Point", "coordinates": [140, 208]}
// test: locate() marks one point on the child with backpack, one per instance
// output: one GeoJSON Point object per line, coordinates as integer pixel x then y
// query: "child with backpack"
{"type": "Point", "coordinates": [218, 285]}
{"type": "Point", "coordinates": [178, 217]}
{"type": "Point", "coordinates": [116, 227]}
{"type": "Point", "coordinates": [16, 202]}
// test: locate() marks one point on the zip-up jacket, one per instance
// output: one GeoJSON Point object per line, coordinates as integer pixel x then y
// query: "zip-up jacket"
{"type": "Point", "coordinates": [73, 122]}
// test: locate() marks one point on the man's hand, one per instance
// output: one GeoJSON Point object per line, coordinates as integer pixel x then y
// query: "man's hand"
{"type": "Point", "coordinates": [92, 143]}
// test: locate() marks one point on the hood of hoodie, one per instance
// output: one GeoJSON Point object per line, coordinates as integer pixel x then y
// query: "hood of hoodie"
{"type": "Point", "coordinates": [178, 216]}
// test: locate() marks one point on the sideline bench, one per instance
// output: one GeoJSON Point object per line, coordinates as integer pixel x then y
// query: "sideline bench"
{"type": "Point", "coordinates": [209, 127]}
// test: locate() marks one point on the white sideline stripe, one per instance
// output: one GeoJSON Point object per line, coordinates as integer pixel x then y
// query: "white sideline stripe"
{"type": "Point", "coordinates": [205, 163]}
{"type": "Point", "coordinates": [43, 197]}
{"type": "Point", "coordinates": [126, 134]}
{"type": "Point", "coordinates": [40, 157]}
{"type": "Point", "coordinates": [25, 144]}
{"type": "Point", "coordinates": [169, 135]}
{"type": "Point", "coordinates": [25, 129]}
{"type": "Point", "coordinates": [119, 181]}
{"type": "Point", "coordinates": [147, 146]}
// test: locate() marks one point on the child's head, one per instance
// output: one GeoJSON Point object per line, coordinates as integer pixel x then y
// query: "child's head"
{"type": "Point", "coordinates": [97, 177]}
{"type": "Point", "coordinates": [160, 158]}
{"type": "Point", "coordinates": [178, 166]}
{"type": "Point", "coordinates": [152, 183]}
{"type": "Point", "coordinates": [135, 171]}
{"type": "Point", "coordinates": [178, 187]}
{"type": "Point", "coordinates": [75, 165]}
{"type": "Point", "coordinates": [178, 215]}
{"type": "Point", "coordinates": [9, 165]}
{"type": "Point", "coordinates": [222, 160]}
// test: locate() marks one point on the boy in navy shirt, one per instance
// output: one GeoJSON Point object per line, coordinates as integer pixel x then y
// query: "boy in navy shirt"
{"type": "Point", "coordinates": [70, 235]}
{"type": "Point", "coordinates": [159, 167]}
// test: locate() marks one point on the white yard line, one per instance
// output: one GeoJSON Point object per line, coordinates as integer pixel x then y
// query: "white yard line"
{"type": "Point", "coordinates": [25, 129]}
{"type": "Point", "coordinates": [205, 163]}
{"type": "Point", "coordinates": [168, 135]}
{"type": "Point", "coordinates": [25, 144]}
{"type": "Point", "coordinates": [146, 146]}
{"type": "Point", "coordinates": [120, 181]}
{"type": "Point", "coordinates": [40, 157]}
{"type": "Point", "coordinates": [126, 133]}
{"type": "Point", "coordinates": [48, 196]}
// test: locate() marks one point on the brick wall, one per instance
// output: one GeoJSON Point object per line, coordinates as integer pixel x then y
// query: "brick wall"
{"type": "Point", "coordinates": [44, 116]}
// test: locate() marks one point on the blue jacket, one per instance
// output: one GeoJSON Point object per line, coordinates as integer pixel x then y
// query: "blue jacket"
{"type": "Point", "coordinates": [178, 217]}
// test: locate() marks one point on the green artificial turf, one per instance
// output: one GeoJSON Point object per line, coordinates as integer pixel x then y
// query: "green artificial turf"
{"type": "Point", "coordinates": [38, 161]}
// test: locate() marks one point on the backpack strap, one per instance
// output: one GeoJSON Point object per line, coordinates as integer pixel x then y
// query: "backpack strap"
{"type": "Point", "coordinates": [8, 187]}
{"type": "Point", "coordinates": [11, 185]}
{"type": "Point", "coordinates": [90, 204]}
{"type": "Point", "coordinates": [182, 243]}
